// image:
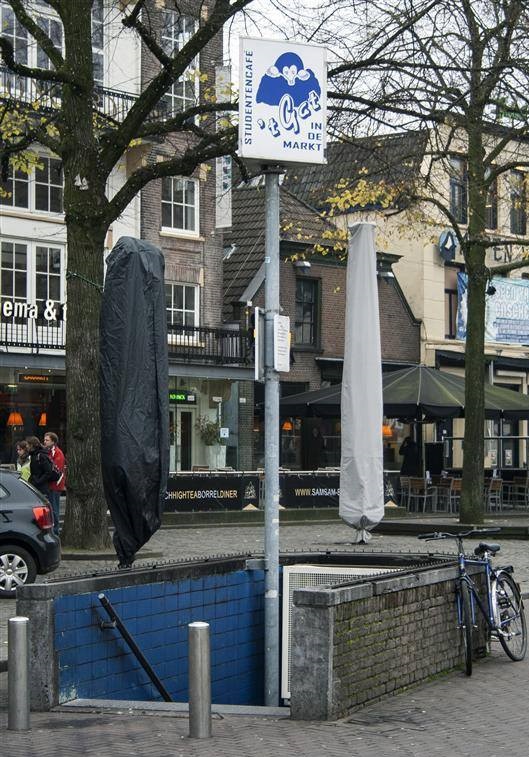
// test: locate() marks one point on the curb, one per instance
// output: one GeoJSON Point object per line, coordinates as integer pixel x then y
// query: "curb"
{"type": "Point", "coordinates": [105, 555]}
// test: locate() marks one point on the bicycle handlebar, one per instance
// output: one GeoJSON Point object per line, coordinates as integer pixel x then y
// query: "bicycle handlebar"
{"type": "Point", "coordinates": [461, 535]}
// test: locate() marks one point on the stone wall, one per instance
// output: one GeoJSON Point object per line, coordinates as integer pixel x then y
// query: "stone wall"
{"type": "Point", "coordinates": [362, 641]}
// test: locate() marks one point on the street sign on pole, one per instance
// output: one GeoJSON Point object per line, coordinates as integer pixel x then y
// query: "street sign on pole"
{"type": "Point", "coordinates": [281, 343]}
{"type": "Point", "coordinates": [282, 121]}
{"type": "Point", "coordinates": [282, 101]}
{"type": "Point", "coordinates": [259, 344]}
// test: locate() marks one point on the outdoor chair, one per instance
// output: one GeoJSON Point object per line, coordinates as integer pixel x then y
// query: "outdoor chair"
{"type": "Point", "coordinates": [518, 492]}
{"type": "Point", "coordinates": [404, 491]}
{"type": "Point", "coordinates": [493, 495]}
{"type": "Point", "coordinates": [454, 495]}
{"type": "Point", "coordinates": [421, 494]}
{"type": "Point", "coordinates": [443, 486]}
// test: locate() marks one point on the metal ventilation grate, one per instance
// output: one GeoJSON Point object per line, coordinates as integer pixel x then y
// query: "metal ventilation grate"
{"type": "Point", "coordinates": [303, 577]}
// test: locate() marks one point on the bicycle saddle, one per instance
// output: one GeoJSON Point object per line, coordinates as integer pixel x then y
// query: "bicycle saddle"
{"type": "Point", "coordinates": [484, 546]}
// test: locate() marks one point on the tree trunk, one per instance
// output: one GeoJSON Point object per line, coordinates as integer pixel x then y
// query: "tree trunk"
{"type": "Point", "coordinates": [471, 510]}
{"type": "Point", "coordinates": [86, 522]}
{"type": "Point", "coordinates": [85, 203]}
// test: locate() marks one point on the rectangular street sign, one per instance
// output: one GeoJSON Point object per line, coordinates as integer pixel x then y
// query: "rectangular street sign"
{"type": "Point", "coordinates": [282, 101]}
{"type": "Point", "coordinates": [282, 343]}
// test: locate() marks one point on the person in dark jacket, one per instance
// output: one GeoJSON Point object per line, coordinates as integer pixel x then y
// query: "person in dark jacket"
{"type": "Point", "coordinates": [40, 466]}
{"type": "Point", "coordinates": [316, 450]}
{"type": "Point", "coordinates": [410, 452]}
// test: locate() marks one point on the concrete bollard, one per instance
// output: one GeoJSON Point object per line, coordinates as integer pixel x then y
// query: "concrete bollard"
{"type": "Point", "coordinates": [199, 681]}
{"type": "Point", "coordinates": [18, 674]}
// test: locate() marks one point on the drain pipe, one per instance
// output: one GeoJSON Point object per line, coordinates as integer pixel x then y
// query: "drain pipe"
{"type": "Point", "coordinates": [199, 681]}
{"type": "Point", "coordinates": [18, 674]}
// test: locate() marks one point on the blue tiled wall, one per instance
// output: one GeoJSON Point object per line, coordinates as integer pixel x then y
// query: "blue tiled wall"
{"type": "Point", "coordinates": [95, 663]}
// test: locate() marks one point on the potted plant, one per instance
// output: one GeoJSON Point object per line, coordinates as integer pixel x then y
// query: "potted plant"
{"type": "Point", "coordinates": [209, 431]}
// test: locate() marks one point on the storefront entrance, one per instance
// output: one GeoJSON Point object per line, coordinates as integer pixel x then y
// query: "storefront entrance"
{"type": "Point", "coordinates": [181, 425]}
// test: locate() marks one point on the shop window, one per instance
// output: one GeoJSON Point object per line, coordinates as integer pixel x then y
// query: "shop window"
{"type": "Point", "coordinates": [182, 304]}
{"type": "Point", "coordinates": [518, 202]}
{"type": "Point", "coordinates": [458, 189]}
{"type": "Point", "coordinates": [177, 30]}
{"type": "Point", "coordinates": [180, 204]}
{"type": "Point", "coordinates": [306, 323]}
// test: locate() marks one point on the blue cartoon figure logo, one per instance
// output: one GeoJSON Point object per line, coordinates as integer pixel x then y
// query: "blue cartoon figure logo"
{"type": "Point", "coordinates": [295, 91]}
{"type": "Point", "coordinates": [288, 77]}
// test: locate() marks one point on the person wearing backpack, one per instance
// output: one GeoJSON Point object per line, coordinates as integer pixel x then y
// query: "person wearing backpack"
{"type": "Point", "coordinates": [56, 487]}
{"type": "Point", "coordinates": [40, 466]}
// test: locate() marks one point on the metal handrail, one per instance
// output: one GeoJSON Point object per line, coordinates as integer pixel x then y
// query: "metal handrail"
{"type": "Point", "coordinates": [116, 622]}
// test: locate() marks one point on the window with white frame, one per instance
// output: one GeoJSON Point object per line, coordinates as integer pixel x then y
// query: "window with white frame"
{"type": "Point", "coordinates": [13, 30]}
{"type": "Point", "coordinates": [182, 304]}
{"type": "Point", "coordinates": [177, 30]}
{"type": "Point", "coordinates": [40, 190]}
{"type": "Point", "coordinates": [98, 42]}
{"type": "Point", "coordinates": [14, 269]}
{"type": "Point", "coordinates": [18, 36]}
{"type": "Point", "coordinates": [52, 27]}
{"type": "Point", "coordinates": [458, 189]}
{"type": "Point", "coordinates": [28, 52]}
{"type": "Point", "coordinates": [48, 272]}
{"type": "Point", "coordinates": [32, 273]}
{"type": "Point", "coordinates": [518, 214]}
{"type": "Point", "coordinates": [180, 204]}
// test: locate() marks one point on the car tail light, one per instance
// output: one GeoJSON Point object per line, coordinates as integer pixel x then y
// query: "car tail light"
{"type": "Point", "coordinates": [43, 517]}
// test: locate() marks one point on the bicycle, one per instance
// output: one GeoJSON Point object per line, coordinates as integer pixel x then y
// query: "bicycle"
{"type": "Point", "coordinates": [503, 610]}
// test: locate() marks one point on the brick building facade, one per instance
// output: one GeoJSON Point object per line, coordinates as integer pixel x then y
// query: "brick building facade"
{"type": "Point", "coordinates": [312, 294]}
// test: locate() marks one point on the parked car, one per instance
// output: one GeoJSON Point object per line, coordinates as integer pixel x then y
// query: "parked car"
{"type": "Point", "coordinates": [28, 545]}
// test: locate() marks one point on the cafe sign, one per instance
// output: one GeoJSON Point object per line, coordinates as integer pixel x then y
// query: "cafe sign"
{"type": "Point", "coordinates": [16, 309]}
{"type": "Point", "coordinates": [282, 101]}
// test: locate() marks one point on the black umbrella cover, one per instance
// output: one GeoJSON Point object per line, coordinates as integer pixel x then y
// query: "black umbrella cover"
{"type": "Point", "coordinates": [134, 393]}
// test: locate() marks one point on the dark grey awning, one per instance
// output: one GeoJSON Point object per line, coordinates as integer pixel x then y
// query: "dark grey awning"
{"type": "Point", "coordinates": [417, 392]}
{"type": "Point", "coordinates": [450, 357]}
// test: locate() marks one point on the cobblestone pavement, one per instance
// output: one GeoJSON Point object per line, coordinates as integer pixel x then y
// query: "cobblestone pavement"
{"type": "Point", "coordinates": [452, 715]}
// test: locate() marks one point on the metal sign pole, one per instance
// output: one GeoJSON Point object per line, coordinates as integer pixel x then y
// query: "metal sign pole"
{"type": "Point", "coordinates": [271, 606]}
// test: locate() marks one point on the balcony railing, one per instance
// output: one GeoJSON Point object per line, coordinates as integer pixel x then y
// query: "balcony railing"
{"type": "Point", "coordinates": [46, 96]}
{"type": "Point", "coordinates": [208, 345]}
{"type": "Point", "coordinates": [185, 343]}
{"type": "Point", "coordinates": [32, 334]}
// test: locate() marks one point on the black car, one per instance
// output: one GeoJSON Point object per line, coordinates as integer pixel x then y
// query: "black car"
{"type": "Point", "coordinates": [28, 545]}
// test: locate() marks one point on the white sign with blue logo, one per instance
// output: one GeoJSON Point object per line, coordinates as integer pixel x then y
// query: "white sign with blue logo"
{"type": "Point", "coordinates": [506, 311]}
{"type": "Point", "coordinates": [282, 101]}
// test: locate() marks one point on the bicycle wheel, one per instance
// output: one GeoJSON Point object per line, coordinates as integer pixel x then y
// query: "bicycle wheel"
{"type": "Point", "coordinates": [466, 625]}
{"type": "Point", "coordinates": [511, 617]}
